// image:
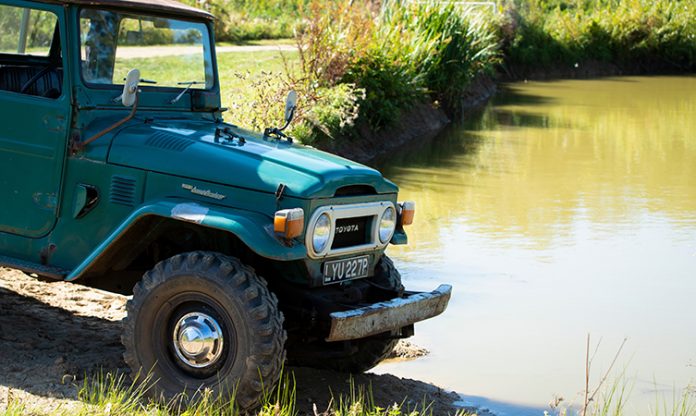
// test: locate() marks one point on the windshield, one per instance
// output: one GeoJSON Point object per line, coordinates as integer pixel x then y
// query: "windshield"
{"type": "Point", "coordinates": [168, 52]}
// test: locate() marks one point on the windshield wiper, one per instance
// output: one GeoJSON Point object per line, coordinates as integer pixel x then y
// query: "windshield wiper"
{"type": "Point", "coordinates": [143, 81]}
{"type": "Point", "coordinates": [188, 84]}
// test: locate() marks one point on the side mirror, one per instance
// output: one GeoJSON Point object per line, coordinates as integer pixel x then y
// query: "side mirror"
{"type": "Point", "coordinates": [290, 106]}
{"type": "Point", "coordinates": [129, 98]}
{"type": "Point", "coordinates": [130, 88]}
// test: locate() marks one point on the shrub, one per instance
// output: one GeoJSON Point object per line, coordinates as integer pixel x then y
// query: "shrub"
{"type": "Point", "coordinates": [446, 45]}
{"type": "Point", "coordinates": [360, 63]}
{"type": "Point", "coordinates": [336, 35]}
{"type": "Point", "coordinates": [638, 35]}
{"type": "Point", "coordinates": [333, 114]}
{"type": "Point", "coordinates": [389, 87]}
{"type": "Point", "coordinates": [242, 20]}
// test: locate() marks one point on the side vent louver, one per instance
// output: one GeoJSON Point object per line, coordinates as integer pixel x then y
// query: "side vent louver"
{"type": "Point", "coordinates": [167, 141]}
{"type": "Point", "coordinates": [122, 190]}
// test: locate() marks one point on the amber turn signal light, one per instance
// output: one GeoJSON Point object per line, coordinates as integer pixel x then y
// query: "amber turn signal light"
{"type": "Point", "coordinates": [408, 211]}
{"type": "Point", "coordinates": [289, 223]}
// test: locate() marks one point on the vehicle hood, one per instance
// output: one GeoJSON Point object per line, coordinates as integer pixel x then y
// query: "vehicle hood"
{"type": "Point", "coordinates": [191, 150]}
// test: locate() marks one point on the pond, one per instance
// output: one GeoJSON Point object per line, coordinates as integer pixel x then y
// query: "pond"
{"type": "Point", "coordinates": [566, 208]}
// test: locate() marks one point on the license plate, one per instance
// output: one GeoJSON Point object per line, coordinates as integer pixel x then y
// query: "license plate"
{"type": "Point", "coordinates": [348, 269]}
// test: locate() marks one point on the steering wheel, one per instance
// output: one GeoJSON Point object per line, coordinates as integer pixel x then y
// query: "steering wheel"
{"type": "Point", "coordinates": [35, 78]}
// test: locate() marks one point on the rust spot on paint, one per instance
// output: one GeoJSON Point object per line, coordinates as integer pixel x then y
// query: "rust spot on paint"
{"type": "Point", "coordinates": [46, 253]}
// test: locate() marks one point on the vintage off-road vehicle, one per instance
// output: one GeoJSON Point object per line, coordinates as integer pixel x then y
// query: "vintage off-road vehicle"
{"type": "Point", "coordinates": [137, 185]}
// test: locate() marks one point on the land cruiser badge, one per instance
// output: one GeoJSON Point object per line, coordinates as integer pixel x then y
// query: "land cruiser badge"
{"type": "Point", "coordinates": [206, 193]}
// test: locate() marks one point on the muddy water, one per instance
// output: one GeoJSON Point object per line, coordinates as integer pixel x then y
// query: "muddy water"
{"type": "Point", "coordinates": [566, 208]}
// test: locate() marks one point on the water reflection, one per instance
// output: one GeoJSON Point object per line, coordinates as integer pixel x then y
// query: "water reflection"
{"type": "Point", "coordinates": [565, 208]}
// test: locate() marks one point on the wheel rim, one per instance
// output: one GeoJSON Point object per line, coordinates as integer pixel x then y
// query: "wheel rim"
{"type": "Point", "coordinates": [198, 340]}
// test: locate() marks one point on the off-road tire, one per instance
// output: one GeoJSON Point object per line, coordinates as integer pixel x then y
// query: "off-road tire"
{"type": "Point", "coordinates": [245, 307]}
{"type": "Point", "coordinates": [356, 356]}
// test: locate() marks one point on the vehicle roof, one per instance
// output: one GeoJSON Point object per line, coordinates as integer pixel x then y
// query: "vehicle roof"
{"type": "Point", "coordinates": [166, 6]}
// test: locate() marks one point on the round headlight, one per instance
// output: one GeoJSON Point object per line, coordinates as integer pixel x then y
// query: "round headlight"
{"type": "Point", "coordinates": [387, 224]}
{"type": "Point", "coordinates": [321, 233]}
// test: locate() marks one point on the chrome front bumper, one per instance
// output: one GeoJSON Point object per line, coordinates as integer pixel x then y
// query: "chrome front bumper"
{"type": "Point", "coordinates": [390, 315]}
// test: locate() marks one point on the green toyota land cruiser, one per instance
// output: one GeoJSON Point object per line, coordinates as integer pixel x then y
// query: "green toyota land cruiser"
{"type": "Point", "coordinates": [118, 172]}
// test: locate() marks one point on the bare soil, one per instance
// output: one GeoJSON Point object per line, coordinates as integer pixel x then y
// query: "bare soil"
{"type": "Point", "coordinates": [52, 334]}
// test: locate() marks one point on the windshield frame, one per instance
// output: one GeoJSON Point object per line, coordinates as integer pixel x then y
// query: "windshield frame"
{"type": "Point", "coordinates": [148, 89]}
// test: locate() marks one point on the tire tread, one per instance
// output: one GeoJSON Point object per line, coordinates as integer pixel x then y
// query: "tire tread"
{"type": "Point", "coordinates": [260, 307]}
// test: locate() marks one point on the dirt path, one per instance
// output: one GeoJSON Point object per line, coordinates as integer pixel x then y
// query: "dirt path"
{"type": "Point", "coordinates": [52, 334]}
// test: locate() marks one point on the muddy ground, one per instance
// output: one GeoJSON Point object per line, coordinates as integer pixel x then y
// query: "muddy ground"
{"type": "Point", "coordinates": [52, 334]}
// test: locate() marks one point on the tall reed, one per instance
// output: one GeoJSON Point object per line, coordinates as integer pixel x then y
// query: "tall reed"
{"type": "Point", "coordinates": [637, 35]}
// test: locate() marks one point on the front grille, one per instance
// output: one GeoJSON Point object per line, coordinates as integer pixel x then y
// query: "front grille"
{"type": "Point", "coordinates": [354, 229]}
{"type": "Point", "coordinates": [351, 232]}
{"type": "Point", "coordinates": [354, 190]}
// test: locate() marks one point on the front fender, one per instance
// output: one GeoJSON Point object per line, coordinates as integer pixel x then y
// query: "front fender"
{"type": "Point", "coordinates": [250, 227]}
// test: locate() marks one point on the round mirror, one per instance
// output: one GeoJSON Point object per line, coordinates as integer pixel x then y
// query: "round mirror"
{"type": "Point", "coordinates": [130, 88]}
{"type": "Point", "coordinates": [290, 104]}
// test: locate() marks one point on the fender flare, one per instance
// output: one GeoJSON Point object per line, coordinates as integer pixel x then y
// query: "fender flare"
{"type": "Point", "coordinates": [253, 229]}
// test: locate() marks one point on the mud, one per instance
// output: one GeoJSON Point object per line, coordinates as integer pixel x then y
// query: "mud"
{"type": "Point", "coordinates": [52, 334]}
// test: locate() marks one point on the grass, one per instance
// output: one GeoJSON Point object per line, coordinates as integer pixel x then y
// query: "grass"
{"type": "Point", "coordinates": [613, 401]}
{"type": "Point", "coordinates": [113, 394]}
{"type": "Point", "coordinates": [258, 42]}
{"type": "Point", "coordinates": [237, 71]}
{"type": "Point", "coordinates": [681, 404]}
{"type": "Point", "coordinates": [233, 64]}
{"type": "Point", "coordinates": [14, 408]}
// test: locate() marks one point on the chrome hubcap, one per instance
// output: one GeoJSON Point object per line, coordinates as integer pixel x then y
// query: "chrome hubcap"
{"type": "Point", "coordinates": [198, 340]}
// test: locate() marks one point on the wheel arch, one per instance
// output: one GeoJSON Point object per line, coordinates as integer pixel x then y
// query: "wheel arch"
{"type": "Point", "coordinates": [204, 227]}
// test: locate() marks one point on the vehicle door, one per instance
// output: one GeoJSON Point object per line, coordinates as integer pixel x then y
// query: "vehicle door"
{"type": "Point", "coordinates": [35, 115]}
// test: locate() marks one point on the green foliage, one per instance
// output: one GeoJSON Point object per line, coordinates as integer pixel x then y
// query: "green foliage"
{"type": "Point", "coordinates": [40, 29]}
{"type": "Point", "coordinates": [389, 87]}
{"type": "Point", "coordinates": [398, 54]}
{"type": "Point", "coordinates": [109, 394]}
{"type": "Point", "coordinates": [360, 402]}
{"type": "Point", "coordinates": [681, 404]}
{"type": "Point", "coordinates": [106, 393]}
{"type": "Point", "coordinates": [244, 28]}
{"type": "Point", "coordinates": [334, 35]}
{"type": "Point", "coordinates": [12, 407]}
{"type": "Point", "coordinates": [612, 400]}
{"type": "Point", "coordinates": [334, 114]}
{"type": "Point", "coordinates": [244, 20]}
{"type": "Point", "coordinates": [112, 391]}
{"type": "Point", "coordinates": [642, 35]}
{"type": "Point", "coordinates": [444, 46]}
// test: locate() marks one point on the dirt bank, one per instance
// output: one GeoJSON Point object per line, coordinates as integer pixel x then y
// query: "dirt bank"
{"type": "Point", "coordinates": [52, 334]}
{"type": "Point", "coordinates": [421, 122]}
